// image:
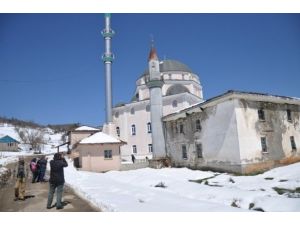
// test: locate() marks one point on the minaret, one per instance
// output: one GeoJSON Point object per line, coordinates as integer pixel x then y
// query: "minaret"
{"type": "Point", "coordinates": [155, 84]}
{"type": "Point", "coordinates": [108, 58]}
{"type": "Point", "coordinates": [108, 127]}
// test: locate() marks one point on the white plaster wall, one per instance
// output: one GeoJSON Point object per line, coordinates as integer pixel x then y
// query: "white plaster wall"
{"type": "Point", "coordinates": [144, 93]}
{"type": "Point", "coordinates": [220, 137]}
{"type": "Point", "coordinates": [249, 139]}
{"type": "Point", "coordinates": [293, 129]}
{"type": "Point", "coordinates": [277, 129]}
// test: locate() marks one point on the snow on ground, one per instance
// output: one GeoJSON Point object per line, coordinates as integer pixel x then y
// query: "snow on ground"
{"type": "Point", "coordinates": [51, 139]}
{"type": "Point", "coordinates": [135, 190]}
{"type": "Point", "coordinates": [179, 189]}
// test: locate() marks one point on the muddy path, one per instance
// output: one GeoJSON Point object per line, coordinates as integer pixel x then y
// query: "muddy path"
{"type": "Point", "coordinates": [36, 196]}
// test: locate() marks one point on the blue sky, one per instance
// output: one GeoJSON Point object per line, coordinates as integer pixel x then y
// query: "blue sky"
{"type": "Point", "coordinates": [51, 69]}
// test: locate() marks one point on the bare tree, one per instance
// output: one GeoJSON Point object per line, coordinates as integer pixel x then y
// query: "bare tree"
{"type": "Point", "coordinates": [33, 137]}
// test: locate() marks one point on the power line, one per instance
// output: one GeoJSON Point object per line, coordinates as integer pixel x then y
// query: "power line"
{"type": "Point", "coordinates": [82, 74]}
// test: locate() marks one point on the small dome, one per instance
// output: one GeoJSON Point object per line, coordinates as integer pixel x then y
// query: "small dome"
{"type": "Point", "coordinates": [170, 65]}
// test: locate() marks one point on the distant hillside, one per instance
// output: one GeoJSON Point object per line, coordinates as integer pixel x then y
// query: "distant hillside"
{"type": "Point", "coordinates": [57, 128]}
{"type": "Point", "coordinates": [20, 123]}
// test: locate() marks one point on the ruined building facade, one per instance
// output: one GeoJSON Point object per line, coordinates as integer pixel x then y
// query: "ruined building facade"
{"type": "Point", "coordinates": [238, 132]}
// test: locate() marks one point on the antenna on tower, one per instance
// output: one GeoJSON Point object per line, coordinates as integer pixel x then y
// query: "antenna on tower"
{"type": "Point", "coordinates": [152, 40]}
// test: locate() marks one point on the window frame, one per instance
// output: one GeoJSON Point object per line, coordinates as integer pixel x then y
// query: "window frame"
{"type": "Point", "coordinates": [134, 149]}
{"type": "Point", "coordinates": [289, 115]}
{"type": "Point", "coordinates": [149, 128]}
{"type": "Point", "coordinates": [293, 143]}
{"type": "Point", "coordinates": [199, 156]}
{"type": "Point", "coordinates": [133, 130]}
{"type": "Point", "coordinates": [118, 131]}
{"type": "Point", "coordinates": [108, 154]}
{"type": "Point", "coordinates": [198, 125]}
{"type": "Point", "coordinates": [150, 149]}
{"type": "Point", "coordinates": [261, 114]}
{"type": "Point", "coordinates": [264, 146]}
{"type": "Point", "coordinates": [181, 128]}
{"type": "Point", "coordinates": [184, 152]}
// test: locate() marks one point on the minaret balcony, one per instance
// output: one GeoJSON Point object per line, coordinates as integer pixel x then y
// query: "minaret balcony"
{"type": "Point", "coordinates": [155, 83]}
{"type": "Point", "coordinates": [107, 33]}
{"type": "Point", "coordinates": [108, 58]}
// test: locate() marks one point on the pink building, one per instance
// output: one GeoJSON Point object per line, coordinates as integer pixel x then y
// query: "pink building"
{"type": "Point", "coordinates": [99, 152]}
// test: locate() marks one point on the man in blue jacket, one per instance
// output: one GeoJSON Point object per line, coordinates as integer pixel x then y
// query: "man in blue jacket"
{"type": "Point", "coordinates": [57, 180]}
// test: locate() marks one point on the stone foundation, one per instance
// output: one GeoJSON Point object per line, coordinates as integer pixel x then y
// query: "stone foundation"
{"type": "Point", "coordinates": [159, 163]}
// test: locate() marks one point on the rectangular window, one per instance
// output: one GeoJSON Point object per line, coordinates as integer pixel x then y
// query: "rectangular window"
{"type": "Point", "coordinates": [181, 128]}
{"type": "Point", "coordinates": [199, 150]}
{"type": "Point", "coordinates": [293, 144]}
{"type": "Point", "coordinates": [118, 131]}
{"type": "Point", "coordinates": [134, 149]}
{"type": "Point", "coordinates": [261, 114]}
{"type": "Point", "coordinates": [176, 128]}
{"type": "Point", "coordinates": [184, 152]}
{"type": "Point", "coordinates": [133, 131]}
{"type": "Point", "coordinates": [289, 115]}
{"type": "Point", "coordinates": [149, 127]}
{"type": "Point", "coordinates": [264, 144]}
{"type": "Point", "coordinates": [198, 125]}
{"type": "Point", "coordinates": [108, 154]}
{"type": "Point", "coordinates": [150, 148]}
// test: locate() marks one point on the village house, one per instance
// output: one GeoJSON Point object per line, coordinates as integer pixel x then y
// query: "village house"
{"type": "Point", "coordinates": [238, 132]}
{"type": "Point", "coordinates": [95, 151]}
{"type": "Point", "coordinates": [9, 144]}
{"type": "Point", "coordinates": [99, 153]}
{"type": "Point", "coordinates": [80, 133]}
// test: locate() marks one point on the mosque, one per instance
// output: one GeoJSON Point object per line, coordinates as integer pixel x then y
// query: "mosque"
{"type": "Point", "coordinates": [168, 119]}
{"type": "Point", "coordinates": [180, 89]}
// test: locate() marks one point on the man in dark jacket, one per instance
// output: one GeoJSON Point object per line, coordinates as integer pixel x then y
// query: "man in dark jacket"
{"type": "Point", "coordinates": [57, 180]}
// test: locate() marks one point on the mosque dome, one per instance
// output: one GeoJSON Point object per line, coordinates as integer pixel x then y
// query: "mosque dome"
{"type": "Point", "coordinates": [170, 65]}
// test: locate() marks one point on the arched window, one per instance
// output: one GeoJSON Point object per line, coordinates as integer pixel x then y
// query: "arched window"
{"type": "Point", "coordinates": [177, 89]}
{"type": "Point", "coordinates": [149, 127]}
{"type": "Point", "coordinates": [133, 131]}
{"type": "Point", "coordinates": [117, 114]}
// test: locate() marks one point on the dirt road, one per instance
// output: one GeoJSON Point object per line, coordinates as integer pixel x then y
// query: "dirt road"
{"type": "Point", "coordinates": [36, 199]}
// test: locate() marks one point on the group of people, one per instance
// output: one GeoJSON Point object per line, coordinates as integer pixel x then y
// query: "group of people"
{"type": "Point", "coordinates": [38, 169]}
